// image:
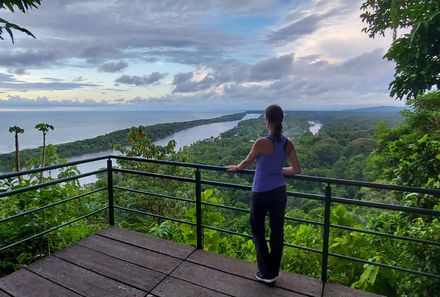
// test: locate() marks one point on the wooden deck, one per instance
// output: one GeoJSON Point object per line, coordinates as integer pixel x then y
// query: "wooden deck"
{"type": "Point", "coordinates": [119, 262]}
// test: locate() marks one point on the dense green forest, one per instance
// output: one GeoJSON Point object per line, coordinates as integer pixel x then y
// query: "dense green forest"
{"type": "Point", "coordinates": [382, 147]}
{"type": "Point", "coordinates": [349, 145]}
{"type": "Point", "coordinates": [108, 141]}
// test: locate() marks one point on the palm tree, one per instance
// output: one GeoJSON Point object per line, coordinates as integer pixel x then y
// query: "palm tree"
{"type": "Point", "coordinates": [43, 127]}
{"type": "Point", "coordinates": [17, 130]}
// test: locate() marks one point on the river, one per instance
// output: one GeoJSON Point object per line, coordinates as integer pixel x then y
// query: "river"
{"type": "Point", "coordinates": [183, 138]}
{"type": "Point", "coordinates": [315, 127]}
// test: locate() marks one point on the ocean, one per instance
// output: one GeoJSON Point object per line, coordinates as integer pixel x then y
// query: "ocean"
{"type": "Point", "coordinates": [71, 126]}
{"type": "Point", "coordinates": [78, 125]}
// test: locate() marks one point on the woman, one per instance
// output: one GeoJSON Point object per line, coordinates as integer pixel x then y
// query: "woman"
{"type": "Point", "coordinates": [269, 192]}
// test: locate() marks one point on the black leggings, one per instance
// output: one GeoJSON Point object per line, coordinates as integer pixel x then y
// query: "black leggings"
{"type": "Point", "coordinates": [272, 202]}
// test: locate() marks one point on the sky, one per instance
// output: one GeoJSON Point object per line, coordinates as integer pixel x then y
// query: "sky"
{"type": "Point", "coordinates": [193, 55]}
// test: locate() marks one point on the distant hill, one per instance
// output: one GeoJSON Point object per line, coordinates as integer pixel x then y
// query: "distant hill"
{"type": "Point", "coordinates": [377, 109]}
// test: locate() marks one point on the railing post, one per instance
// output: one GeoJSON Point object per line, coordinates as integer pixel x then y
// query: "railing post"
{"type": "Point", "coordinates": [199, 209]}
{"type": "Point", "coordinates": [111, 209]}
{"type": "Point", "coordinates": [326, 234]}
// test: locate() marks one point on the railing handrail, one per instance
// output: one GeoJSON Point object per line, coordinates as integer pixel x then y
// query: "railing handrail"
{"type": "Point", "coordinates": [198, 181]}
{"type": "Point", "coordinates": [324, 180]}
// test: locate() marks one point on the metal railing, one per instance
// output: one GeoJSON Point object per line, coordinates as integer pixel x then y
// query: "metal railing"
{"type": "Point", "coordinates": [327, 198]}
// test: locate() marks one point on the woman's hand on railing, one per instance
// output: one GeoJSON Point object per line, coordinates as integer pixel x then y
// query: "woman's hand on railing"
{"type": "Point", "coordinates": [232, 168]}
{"type": "Point", "coordinates": [291, 171]}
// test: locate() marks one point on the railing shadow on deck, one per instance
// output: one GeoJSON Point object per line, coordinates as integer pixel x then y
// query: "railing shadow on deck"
{"type": "Point", "coordinates": [326, 198]}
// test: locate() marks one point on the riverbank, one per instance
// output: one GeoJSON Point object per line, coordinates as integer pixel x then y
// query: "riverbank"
{"type": "Point", "coordinates": [106, 142]}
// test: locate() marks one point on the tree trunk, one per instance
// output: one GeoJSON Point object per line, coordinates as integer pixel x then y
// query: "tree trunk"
{"type": "Point", "coordinates": [17, 157]}
{"type": "Point", "coordinates": [43, 157]}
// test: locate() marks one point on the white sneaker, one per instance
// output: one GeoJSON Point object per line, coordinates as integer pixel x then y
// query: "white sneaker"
{"type": "Point", "coordinates": [266, 280]}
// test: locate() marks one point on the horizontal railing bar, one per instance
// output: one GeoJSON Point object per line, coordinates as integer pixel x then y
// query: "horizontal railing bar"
{"type": "Point", "coordinates": [51, 205]}
{"type": "Point", "coordinates": [385, 265]}
{"type": "Point", "coordinates": [144, 173]}
{"type": "Point", "coordinates": [306, 195]}
{"type": "Point", "coordinates": [154, 215]}
{"type": "Point", "coordinates": [225, 185]}
{"type": "Point", "coordinates": [348, 182]}
{"type": "Point", "coordinates": [304, 221]}
{"type": "Point", "coordinates": [52, 229]}
{"type": "Point", "coordinates": [303, 248]}
{"type": "Point", "coordinates": [226, 207]}
{"type": "Point", "coordinates": [247, 211]}
{"type": "Point", "coordinates": [319, 179]}
{"type": "Point", "coordinates": [153, 194]}
{"type": "Point", "coordinates": [165, 162]}
{"type": "Point", "coordinates": [227, 231]}
{"type": "Point", "coordinates": [250, 237]}
{"type": "Point", "coordinates": [49, 183]}
{"type": "Point", "coordinates": [409, 209]}
{"type": "Point", "coordinates": [52, 167]}
{"type": "Point", "coordinates": [386, 235]}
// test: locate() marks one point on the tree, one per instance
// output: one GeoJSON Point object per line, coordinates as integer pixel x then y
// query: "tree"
{"type": "Point", "coordinates": [416, 54]}
{"type": "Point", "coordinates": [43, 127]}
{"type": "Point", "coordinates": [24, 6]}
{"type": "Point", "coordinates": [17, 130]}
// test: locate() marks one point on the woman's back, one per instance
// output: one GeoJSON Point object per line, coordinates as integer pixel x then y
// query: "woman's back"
{"type": "Point", "coordinates": [268, 174]}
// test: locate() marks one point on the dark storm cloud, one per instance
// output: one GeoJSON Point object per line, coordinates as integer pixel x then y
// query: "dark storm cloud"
{"type": "Point", "coordinates": [113, 66]}
{"type": "Point", "coordinates": [145, 80]}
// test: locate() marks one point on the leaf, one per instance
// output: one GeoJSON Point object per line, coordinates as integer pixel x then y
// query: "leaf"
{"type": "Point", "coordinates": [341, 211]}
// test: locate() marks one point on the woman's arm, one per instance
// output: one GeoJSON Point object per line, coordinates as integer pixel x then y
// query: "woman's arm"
{"type": "Point", "coordinates": [253, 154]}
{"type": "Point", "coordinates": [295, 167]}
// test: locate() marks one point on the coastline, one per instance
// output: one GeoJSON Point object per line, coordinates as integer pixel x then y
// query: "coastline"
{"type": "Point", "coordinates": [107, 141]}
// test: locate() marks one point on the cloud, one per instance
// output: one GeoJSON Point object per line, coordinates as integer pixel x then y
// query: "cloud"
{"type": "Point", "coordinates": [145, 80]}
{"type": "Point", "coordinates": [19, 71]}
{"type": "Point", "coordinates": [8, 82]}
{"type": "Point", "coordinates": [296, 29]}
{"type": "Point", "coordinates": [113, 66]}
{"type": "Point", "coordinates": [78, 79]}
{"type": "Point", "coordinates": [233, 72]}
{"type": "Point", "coordinates": [44, 102]}
{"type": "Point", "coordinates": [272, 68]}
{"type": "Point", "coordinates": [230, 53]}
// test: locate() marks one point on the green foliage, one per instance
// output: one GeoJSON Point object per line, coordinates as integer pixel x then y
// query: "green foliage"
{"type": "Point", "coordinates": [415, 53]}
{"type": "Point", "coordinates": [19, 228]}
{"type": "Point", "coordinates": [354, 135]}
{"type": "Point", "coordinates": [24, 6]}
{"type": "Point", "coordinates": [409, 154]}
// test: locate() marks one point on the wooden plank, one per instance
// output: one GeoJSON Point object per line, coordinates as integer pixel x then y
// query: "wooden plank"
{"type": "Point", "coordinates": [24, 283]}
{"type": "Point", "coordinates": [148, 242]}
{"type": "Point", "coordinates": [294, 282]}
{"type": "Point", "coordinates": [173, 287]}
{"type": "Point", "coordinates": [131, 274]}
{"type": "Point", "coordinates": [3, 294]}
{"type": "Point", "coordinates": [80, 280]}
{"type": "Point", "coordinates": [228, 283]}
{"type": "Point", "coordinates": [132, 254]}
{"type": "Point", "coordinates": [338, 290]}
